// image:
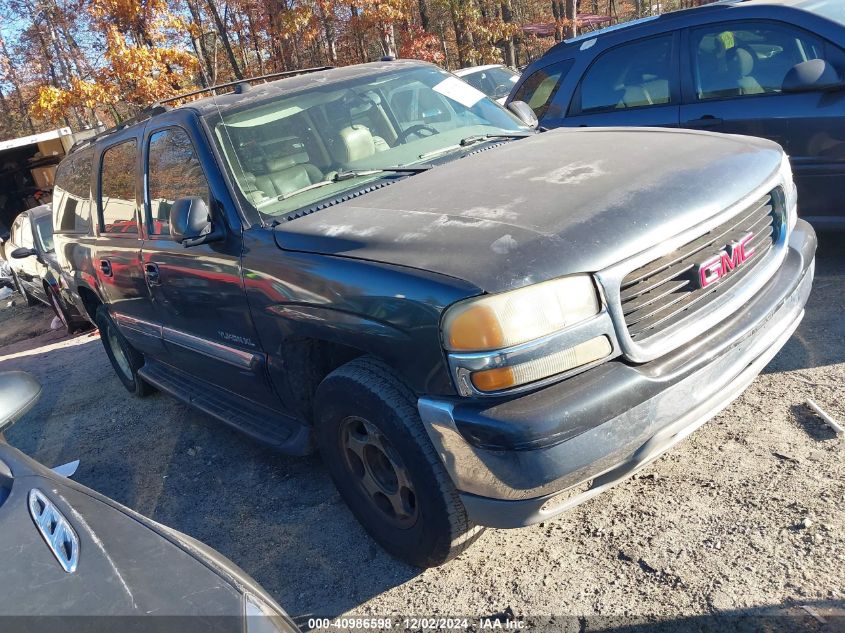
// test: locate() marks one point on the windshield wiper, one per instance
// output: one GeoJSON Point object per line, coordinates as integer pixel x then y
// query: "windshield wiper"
{"type": "Point", "coordinates": [349, 175]}
{"type": "Point", "coordinates": [472, 140]}
{"type": "Point", "coordinates": [354, 173]}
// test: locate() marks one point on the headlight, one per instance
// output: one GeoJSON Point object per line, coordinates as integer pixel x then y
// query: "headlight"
{"type": "Point", "coordinates": [514, 339]}
{"type": "Point", "coordinates": [502, 320]}
{"type": "Point", "coordinates": [260, 617]}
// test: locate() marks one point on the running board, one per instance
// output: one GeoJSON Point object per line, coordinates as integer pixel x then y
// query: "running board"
{"type": "Point", "coordinates": [274, 428]}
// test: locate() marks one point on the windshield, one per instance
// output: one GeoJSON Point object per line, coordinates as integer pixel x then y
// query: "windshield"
{"type": "Point", "coordinates": [296, 150]}
{"type": "Point", "coordinates": [494, 82]}
{"type": "Point", "coordinates": [830, 9]}
{"type": "Point", "coordinates": [44, 231]}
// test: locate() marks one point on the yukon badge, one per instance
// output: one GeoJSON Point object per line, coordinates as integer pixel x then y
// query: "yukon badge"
{"type": "Point", "coordinates": [732, 256]}
{"type": "Point", "coordinates": [55, 529]}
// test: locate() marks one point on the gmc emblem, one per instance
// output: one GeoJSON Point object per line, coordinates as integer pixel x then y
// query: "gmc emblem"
{"type": "Point", "coordinates": [732, 256]}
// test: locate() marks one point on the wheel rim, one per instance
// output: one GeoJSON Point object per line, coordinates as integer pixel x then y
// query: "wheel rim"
{"type": "Point", "coordinates": [119, 355]}
{"type": "Point", "coordinates": [58, 308]}
{"type": "Point", "coordinates": [378, 471]}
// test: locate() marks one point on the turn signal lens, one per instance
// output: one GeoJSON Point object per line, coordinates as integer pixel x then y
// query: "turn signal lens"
{"type": "Point", "coordinates": [515, 375]}
{"type": "Point", "coordinates": [498, 321]}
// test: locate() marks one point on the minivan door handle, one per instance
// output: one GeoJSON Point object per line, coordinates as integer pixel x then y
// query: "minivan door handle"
{"type": "Point", "coordinates": [708, 120]}
{"type": "Point", "coordinates": [105, 266]}
{"type": "Point", "coordinates": [151, 273]}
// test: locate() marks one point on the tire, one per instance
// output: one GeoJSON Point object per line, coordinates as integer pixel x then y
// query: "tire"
{"type": "Point", "coordinates": [379, 455]}
{"type": "Point", "coordinates": [125, 359]}
{"type": "Point", "coordinates": [59, 309]}
{"type": "Point", "coordinates": [30, 301]}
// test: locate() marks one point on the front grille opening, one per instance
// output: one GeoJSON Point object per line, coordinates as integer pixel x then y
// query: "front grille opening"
{"type": "Point", "coordinates": [666, 290]}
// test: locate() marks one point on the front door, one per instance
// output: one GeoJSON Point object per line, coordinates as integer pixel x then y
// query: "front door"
{"type": "Point", "coordinates": [197, 292]}
{"type": "Point", "coordinates": [634, 84]}
{"type": "Point", "coordinates": [733, 78]}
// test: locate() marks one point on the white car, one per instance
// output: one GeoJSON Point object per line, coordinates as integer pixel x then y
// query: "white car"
{"type": "Point", "coordinates": [494, 80]}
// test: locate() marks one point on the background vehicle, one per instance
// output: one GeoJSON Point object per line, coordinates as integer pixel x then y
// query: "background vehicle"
{"type": "Point", "coordinates": [768, 68]}
{"type": "Point", "coordinates": [35, 269]}
{"type": "Point", "coordinates": [66, 550]}
{"type": "Point", "coordinates": [467, 318]}
{"type": "Point", "coordinates": [494, 80]}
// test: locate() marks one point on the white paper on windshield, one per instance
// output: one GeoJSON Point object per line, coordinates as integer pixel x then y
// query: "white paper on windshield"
{"type": "Point", "coordinates": [457, 90]}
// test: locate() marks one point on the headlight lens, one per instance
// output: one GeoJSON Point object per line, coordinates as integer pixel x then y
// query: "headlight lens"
{"type": "Point", "coordinates": [498, 321]}
{"type": "Point", "coordinates": [260, 617]}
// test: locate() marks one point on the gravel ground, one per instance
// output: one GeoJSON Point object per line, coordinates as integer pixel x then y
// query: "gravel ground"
{"type": "Point", "coordinates": [747, 517]}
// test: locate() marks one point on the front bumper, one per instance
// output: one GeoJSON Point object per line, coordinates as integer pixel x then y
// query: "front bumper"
{"type": "Point", "coordinates": [529, 459]}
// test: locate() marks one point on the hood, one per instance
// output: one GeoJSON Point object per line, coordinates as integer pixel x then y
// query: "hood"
{"type": "Point", "coordinates": [561, 202]}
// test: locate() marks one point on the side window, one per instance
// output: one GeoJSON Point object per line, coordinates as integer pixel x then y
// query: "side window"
{"type": "Point", "coordinates": [539, 90]}
{"type": "Point", "coordinates": [15, 234]}
{"type": "Point", "coordinates": [117, 186]}
{"type": "Point", "coordinates": [72, 192]}
{"type": "Point", "coordinates": [747, 58]}
{"type": "Point", "coordinates": [25, 234]}
{"type": "Point", "coordinates": [174, 172]}
{"type": "Point", "coordinates": [630, 76]}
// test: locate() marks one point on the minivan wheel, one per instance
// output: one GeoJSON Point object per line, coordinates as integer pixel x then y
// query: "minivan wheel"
{"type": "Point", "coordinates": [384, 466]}
{"type": "Point", "coordinates": [125, 359]}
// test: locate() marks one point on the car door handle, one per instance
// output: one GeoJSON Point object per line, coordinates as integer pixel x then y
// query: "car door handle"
{"type": "Point", "coordinates": [152, 275]}
{"type": "Point", "coordinates": [105, 266]}
{"type": "Point", "coordinates": [708, 120]}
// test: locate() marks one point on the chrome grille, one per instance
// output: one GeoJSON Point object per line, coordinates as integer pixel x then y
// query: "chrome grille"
{"type": "Point", "coordinates": [664, 291]}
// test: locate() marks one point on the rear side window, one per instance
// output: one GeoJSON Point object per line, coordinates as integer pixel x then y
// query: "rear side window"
{"type": "Point", "coordinates": [25, 234]}
{"type": "Point", "coordinates": [117, 187]}
{"type": "Point", "coordinates": [174, 172]}
{"type": "Point", "coordinates": [747, 58]}
{"type": "Point", "coordinates": [539, 90]}
{"type": "Point", "coordinates": [72, 193]}
{"type": "Point", "coordinates": [630, 76]}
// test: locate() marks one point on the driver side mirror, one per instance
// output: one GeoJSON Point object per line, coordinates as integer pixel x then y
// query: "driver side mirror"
{"type": "Point", "coordinates": [22, 253]}
{"type": "Point", "coordinates": [190, 222]}
{"type": "Point", "coordinates": [18, 392]}
{"type": "Point", "coordinates": [524, 113]}
{"type": "Point", "coordinates": [813, 75]}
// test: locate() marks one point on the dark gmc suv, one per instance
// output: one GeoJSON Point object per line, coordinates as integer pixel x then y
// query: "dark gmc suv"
{"type": "Point", "coordinates": [474, 323]}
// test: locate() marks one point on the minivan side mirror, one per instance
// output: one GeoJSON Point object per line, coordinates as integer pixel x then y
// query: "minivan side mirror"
{"type": "Point", "coordinates": [812, 75]}
{"type": "Point", "coordinates": [22, 253]}
{"type": "Point", "coordinates": [524, 113]}
{"type": "Point", "coordinates": [190, 222]}
{"type": "Point", "coordinates": [18, 392]}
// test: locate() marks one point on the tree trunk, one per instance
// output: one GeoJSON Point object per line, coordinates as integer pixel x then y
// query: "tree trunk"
{"type": "Point", "coordinates": [425, 20]}
{"type": "Point", "coordinates": [572, 17]}
{"type": "Point", "coordinates": [224, 37]}
{"type": "Point", "coordinates": [509, 48]}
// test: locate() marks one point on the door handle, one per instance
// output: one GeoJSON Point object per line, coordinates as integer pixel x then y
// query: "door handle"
{"type": "Point", "coordinates": [708, 120]}
{"type": "Point", "coordinates": [105, 266]}
{"type": "Point", "coordinates": [152, 275]}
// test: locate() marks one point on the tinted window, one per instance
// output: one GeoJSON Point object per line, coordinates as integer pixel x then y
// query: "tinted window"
{"type": "Point", "coordinates": [174, 172]}
{"type": "Point", "coordinates": [44, 230]}
{"type": "Point", "coordinates": [72, 192]}
{"type": "Point", "coordinates": [117, 184]}
{"type": "Point", "coordinates": [630, 76]}
{"type": "Point", "coordinates": [540, 88]}
{"type": "Point", "coordinates": [744, 58]}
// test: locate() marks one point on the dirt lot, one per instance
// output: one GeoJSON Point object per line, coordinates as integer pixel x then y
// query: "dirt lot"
{"type": "Point", "coordinates": [747, 517]}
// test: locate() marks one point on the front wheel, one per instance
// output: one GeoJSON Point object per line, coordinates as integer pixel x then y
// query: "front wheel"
{"type": "Point", "coordinates": [125, 359]}
{"type": "Point", "coordinates": [384, 465]}
{"type": "Point", "coordinates": [30, 300]}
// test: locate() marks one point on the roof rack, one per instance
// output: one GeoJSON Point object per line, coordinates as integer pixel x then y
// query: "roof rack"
{"type": "Point", "coordinates": [240, 85]}
{"type": "Point", "coordinates": [244, 83]}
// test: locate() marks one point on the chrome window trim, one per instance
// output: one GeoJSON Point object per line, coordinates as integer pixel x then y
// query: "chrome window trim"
{"type": "Point", "coordinates": [699, 321]}
{"type": "Point", "coordinates": [462, 364]}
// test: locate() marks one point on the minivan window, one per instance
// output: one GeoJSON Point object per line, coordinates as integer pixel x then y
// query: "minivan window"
{"type": "Point", "coordinates": [72, 192]}
{"type": "Point", "coordinates": [174, 172]}
{"type": "Point", "coordinates": [539, 89]}
{"type": "Point", "coordinates": [630, 76]}
{"type": "Point", "coordinates": [747, 58]}
{"type": "Point", "coordinates": [117, 187]}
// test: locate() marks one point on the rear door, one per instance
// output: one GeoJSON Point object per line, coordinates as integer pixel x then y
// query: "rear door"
{"type": "Point", "coordinates": [632, 84]}
{"type": "Point", "coordinates": [197, 292]}
{"type": "Point", "coordinates": [733, 74]}
{"type": "Point", "coordinates": [117, 250]}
